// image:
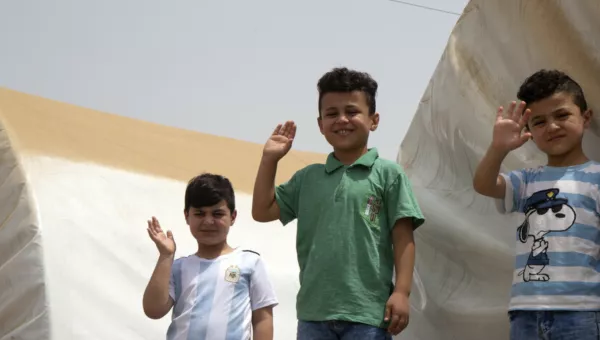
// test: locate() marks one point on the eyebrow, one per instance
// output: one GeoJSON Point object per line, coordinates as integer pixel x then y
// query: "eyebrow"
{"type": "Point", "coordinates": [216, 210]}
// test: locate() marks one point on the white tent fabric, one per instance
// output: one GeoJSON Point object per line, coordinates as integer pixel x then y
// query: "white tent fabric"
{"type": "Point", "coordinates": [465, 252]}
{"type": "Point", "coordinates": [75, 258]}
{"type": "Point", "coordinates": [23, 303]}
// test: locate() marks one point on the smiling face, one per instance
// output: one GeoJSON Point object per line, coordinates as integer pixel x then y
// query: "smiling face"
{"type": "Point", "coordinates": [210, 225]}
{"type": "Point", "coordinates": [345, 120]}
{"type": "Point", "coordinates": [557, 124]}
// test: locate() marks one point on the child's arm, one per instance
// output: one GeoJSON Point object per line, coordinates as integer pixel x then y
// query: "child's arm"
{"type": "Point", "coordinates": [508, 135]}
{"type": "Point", "coordinates": [262, 301]}
{"type": "Point", "coordinates": [404, 255]}
{"type": "Point", "coordinates": [262, 323]}
{"type": "Point", "coordinates": [397, 308]}
{"type": "Point", "coordinates": [264, 205]}
{"type": "Point", "coordinates": [487, 180]}
{"type": "Point", "coordinates": [158, 300]}
{"type": "Point", "coordinates": [404, 216]}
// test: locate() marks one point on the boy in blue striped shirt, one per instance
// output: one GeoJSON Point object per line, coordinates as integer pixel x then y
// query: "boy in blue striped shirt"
{"type": "Point", "coordinates": [220, 292]}
{"type": "Point", "coordinates": [556, 282]}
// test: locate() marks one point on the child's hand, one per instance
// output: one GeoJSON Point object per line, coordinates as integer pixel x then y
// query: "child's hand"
{"type": "Point", "coordinates": [164, 243]}
{"type": "Point", "coordinates": [280, 141]}
{"type": "Point", "coordinates": [508, 131]}
{"type": "Point", "coordinates": [396, 312]}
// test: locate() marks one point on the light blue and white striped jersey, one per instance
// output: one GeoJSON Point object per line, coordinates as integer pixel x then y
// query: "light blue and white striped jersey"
{"type": "Point", "coordinates": [214, 299]}
{"type": "Point", "coordinates": [558, 242]}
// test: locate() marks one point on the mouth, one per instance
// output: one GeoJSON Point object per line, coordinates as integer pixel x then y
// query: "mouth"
{"type": "Point", "coordinates": [208, 231]}
{"type": "Point", "coordinates": [555, 138]}
{"type": "Point", "coordinates": [343, 132]}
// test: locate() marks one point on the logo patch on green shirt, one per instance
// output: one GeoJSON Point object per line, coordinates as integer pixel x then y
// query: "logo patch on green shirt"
{"type": "Point", "coordinates": [372, 208]}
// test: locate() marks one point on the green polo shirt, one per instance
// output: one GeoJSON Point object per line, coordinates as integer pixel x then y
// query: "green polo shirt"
{"type": "Point", "coordinates": [344, 243]}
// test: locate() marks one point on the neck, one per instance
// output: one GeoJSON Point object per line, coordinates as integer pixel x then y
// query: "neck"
{"type": "Point", "coordinates": [574, 157]}
{"type": "Point", "coordinates": [347, 157]}
{"type": "Point", "coordinates": [213, 251]}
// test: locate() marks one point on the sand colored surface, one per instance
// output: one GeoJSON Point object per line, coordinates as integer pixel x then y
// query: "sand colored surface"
{"type": "Point", "coordinates": [47, 127]}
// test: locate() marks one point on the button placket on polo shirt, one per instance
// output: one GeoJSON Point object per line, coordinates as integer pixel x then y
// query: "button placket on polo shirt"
{"type": "Point", "coordinates": [340, 192]}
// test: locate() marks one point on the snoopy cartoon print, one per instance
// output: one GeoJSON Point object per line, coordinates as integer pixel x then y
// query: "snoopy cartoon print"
{"type": "Point", "coordinates": [544, 213]}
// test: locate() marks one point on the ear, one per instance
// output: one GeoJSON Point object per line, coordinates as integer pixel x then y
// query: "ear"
{"type": "Point", "coordinates": [374, 121]}
{"type": "Point", "coordinates": [587, 118]}
{"type": "Point", "coordinates": [320, 122]}
{"type": "Point", "coordinates": [523, 230]}
{"type": "Point", "coordinates": [186, 215]}
{"type": "Point", "coordinates": [233, 216]}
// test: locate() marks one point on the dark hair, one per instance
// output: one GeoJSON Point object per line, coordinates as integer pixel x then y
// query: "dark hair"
{"type": "Point", "coordinates": [342, 79]}
{"type": "Point", "coordinates": [207, 189]}
{"type": "Point", "coordinates": [544, 83]}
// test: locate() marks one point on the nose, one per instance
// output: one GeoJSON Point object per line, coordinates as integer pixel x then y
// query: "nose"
{"type": "Point", "coordinates": [553, 126]}
{"type": "Point", "coordinates": [342, 119]}
{"type": "Point", "coordinates": [560, 215]}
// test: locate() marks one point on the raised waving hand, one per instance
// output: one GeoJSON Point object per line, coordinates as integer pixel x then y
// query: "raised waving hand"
{"type": "Point", "coordinates": [164, 242]}
{"type": "Point", "coordinates": [280, 141]}
{"type": "Point", "coordinates": [508, 129]}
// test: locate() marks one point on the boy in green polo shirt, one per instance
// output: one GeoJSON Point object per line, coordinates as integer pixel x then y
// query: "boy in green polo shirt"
{"type": "Point", "coordinates": [356, 215]}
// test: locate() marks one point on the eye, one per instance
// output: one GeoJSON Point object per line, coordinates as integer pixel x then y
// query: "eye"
{"type": "Point", "coordinates": [557, 208]}
{"type": "Point", "coordinates": [542, 211]}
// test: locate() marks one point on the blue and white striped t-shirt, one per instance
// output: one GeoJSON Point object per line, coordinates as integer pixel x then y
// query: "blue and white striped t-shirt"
{"type": "Point", "coordinates": [558, 242]}
{"type": "Point", "coordinates": [214, 299]}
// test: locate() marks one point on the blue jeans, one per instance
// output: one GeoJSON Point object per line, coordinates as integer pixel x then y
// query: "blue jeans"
{"type": "Point", "coordinates": [340, 330]}
{"type": "Point", "coordinates": [554, 325]}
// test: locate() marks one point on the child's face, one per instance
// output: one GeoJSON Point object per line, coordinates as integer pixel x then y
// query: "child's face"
{"type": "Point", "coordinates": [345, 121]}
{"type": "Point", "coordinates": [557, 124]}
{"type": "Point", "coordinates": [210, 225]}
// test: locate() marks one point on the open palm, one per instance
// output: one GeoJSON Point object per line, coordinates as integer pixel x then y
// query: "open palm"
{"type": "Point", "coordinates": [508, 131]}
{"type": "Point", "coordinates": [281, 140]}
{"type": "Point", "coordinates": [164, 242]}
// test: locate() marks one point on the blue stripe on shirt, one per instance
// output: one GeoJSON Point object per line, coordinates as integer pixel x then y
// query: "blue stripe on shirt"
{"type": "Point", "coordinates": [556, 288]}
{"type": "Point", "coordinates": [178, 305]}
{"type": "Point", "coordinates": [241, 298]}
{"type": "Point", "coordinates": [563, 259]}
{"type": "Point", "coordinates": [558, 175]}
{"type": "Point", "coordinates": [205, 294]}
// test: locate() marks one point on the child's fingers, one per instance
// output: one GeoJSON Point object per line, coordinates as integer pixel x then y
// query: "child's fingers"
{"type": "Point", "coordinates": [277, 129]}
{"type": "Point", "coordinates": [518, 112]}
{"type": "Point", "coordinates": [394, 327]}
{"type": "Point", "coordinates": [524, 118]}
{"type": "Point", "coordinates": [500, 113]}
{"type": "Point", "coordinates": [511, 110]}
{"type": "Point", "coordinates": [151, 234]}
{"type": "Point", "coordinates": [292, 133]}
{"type": "Point", "coordinates": [150, 227]}
{"type": "Point", "coordinates": [388, 313]}
{"type": "Point", "coordinates": [156, 225]}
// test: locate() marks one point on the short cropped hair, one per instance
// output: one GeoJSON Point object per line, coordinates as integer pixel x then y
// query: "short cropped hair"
{"type": "Point", "coordinates": [208, 189]}
{"type": "Point", "coordinates": [545, 83]}
{"type": "Point", "coordinates": [342, 79]}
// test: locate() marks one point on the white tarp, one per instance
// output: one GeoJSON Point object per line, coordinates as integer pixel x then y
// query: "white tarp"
{"type": "Point", "coordinates": [465, 251]}
{"type": "Point", "coordinates": [23, 312]}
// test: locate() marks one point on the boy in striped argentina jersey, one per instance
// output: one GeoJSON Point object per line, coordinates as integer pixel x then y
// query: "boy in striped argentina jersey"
{"type": "Point", "coordinates": [218, 293]}
{"type": "Point", "coordinates": [556, 282]}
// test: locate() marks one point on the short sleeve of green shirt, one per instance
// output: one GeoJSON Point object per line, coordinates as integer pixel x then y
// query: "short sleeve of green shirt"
{"type": "Point", "coordinates": [286, 196]}
{"type": "Point", "coordinates": [401, 202]}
